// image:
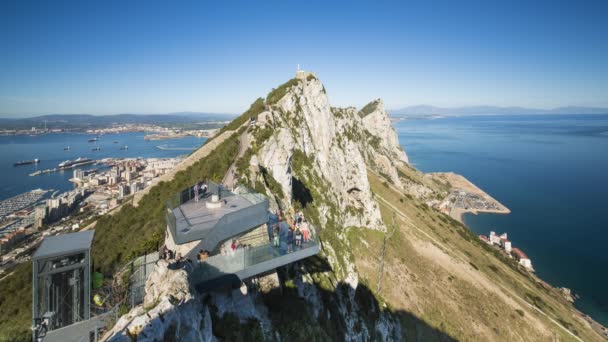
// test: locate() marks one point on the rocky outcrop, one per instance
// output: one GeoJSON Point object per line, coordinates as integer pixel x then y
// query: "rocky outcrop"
{"type": "Point", "coordinates": [339, 143]}
{"type": "Point", "coordinates": [375, 119]}
{"type": "Point", "coordinates": [170, 311]}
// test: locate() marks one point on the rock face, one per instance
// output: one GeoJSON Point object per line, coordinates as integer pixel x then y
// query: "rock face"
{"type": "Point", "coordinates": [170, 311]}
{"type": "Point", "coordinates": [340, 143]}
{"type": "Point", "coordinates": [376, 121]}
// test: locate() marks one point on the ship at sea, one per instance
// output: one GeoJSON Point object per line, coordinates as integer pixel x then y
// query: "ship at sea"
{"type": "Point", "coordinates": [96, 149]}
{"type": "Point", "coordinates": [67, 148]}
{"type": "Point", "coordinates": [124, 147]}
{"type": "Point", "coordinates": [68, 164]}
{"type": "Point", "coordinates": [93, 139]}
{"type": "Point", "coordinates": [27, 162]}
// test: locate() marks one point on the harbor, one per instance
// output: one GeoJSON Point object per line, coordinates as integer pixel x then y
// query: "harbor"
{"type": "Point", "coordinates": [21, 201]}
{"type": "Point", "coordinates": [52, 149]}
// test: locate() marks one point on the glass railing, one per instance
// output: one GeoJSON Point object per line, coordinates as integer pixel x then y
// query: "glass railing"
{"type": "Point", "coordinates": [188, 194]}
{"type": "Point", "coordinates": [242, 258]}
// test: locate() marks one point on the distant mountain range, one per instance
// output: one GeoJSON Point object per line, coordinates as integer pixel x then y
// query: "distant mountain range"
{"type": "Point", "coordinates": [425, 110]}
{"type": "Point", "coordinates": [82, 121]}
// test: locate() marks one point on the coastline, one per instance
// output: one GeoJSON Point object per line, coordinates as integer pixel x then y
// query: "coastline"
{"type": "Point", "coordinates": [459, 182]}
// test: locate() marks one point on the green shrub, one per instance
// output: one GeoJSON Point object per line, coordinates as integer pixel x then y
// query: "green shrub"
{"type": "Point", "coordinates": [276, 94]}
{"type": "Point", "coordinates": [368, 109]}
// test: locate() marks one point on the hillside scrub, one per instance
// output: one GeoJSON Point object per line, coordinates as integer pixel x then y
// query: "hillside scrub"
{"type": "Point", "coordinates": [276, 94]}
{"type": "Point", "coordinates": [461, 271]}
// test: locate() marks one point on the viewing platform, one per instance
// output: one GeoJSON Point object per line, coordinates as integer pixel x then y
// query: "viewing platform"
{"type": "Point", "coordinates": [229, 236]}
{"type": "Point", "coordinates": [266, 254]}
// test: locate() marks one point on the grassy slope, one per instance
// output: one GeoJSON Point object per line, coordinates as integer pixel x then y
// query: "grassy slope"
{"type": "Point", "coordinates": [437, 270]}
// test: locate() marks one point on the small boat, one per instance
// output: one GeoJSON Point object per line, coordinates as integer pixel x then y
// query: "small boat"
{"type": "Point", "coordinates": [116, 142]}
{"type": "Point", "coordinates": [93, 140]}
{"type": "Point", "coordinates": [67, 148]}
{"type": "Point", "coordinates": [96, 149]}
{"type": "Point", "coordinates": [124, 147]}
{"type": "Point", "coordinates": [27, 162]}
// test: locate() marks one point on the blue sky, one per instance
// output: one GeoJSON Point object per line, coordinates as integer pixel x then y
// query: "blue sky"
{"type": "Point", "coordinates": [218, 56]}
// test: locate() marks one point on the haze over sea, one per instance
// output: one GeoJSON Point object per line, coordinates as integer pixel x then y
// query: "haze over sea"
{"type": "Point", "coordinates": [550, 170]}
{"type": "Point", "coordinates": [49, 148]}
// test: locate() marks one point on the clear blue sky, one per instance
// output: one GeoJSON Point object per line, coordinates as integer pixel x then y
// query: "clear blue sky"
{"type": "Point", "coordinates": [218, 56]}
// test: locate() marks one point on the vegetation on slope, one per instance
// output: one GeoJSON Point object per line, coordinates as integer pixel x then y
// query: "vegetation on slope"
{"type": "Point", "coordinates": [368, 109]}
{"type": "Point", "coordinates": [15, 305]}
{"type": "Point", "coordinates": [276, 94]}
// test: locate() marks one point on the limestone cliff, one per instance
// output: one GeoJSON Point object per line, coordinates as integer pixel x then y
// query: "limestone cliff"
{"type": "Point", "coordinates": [337, 143]}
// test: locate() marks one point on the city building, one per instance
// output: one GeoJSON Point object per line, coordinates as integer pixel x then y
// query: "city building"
{"type": "Point", "coordinates": [58, 207]}
{"type": "Point", "coordinates": [123, 190]}
{"type": "Point", "coordinates": [79, 174]}
{"type": "Point", "coordinates": [494, 239]}
{"type": "Point", "coordinates": [40, 214]}
{"type": "Point", "coordinates": [11, 238]}
{"type": "Point", "coordinates": [522, 258]}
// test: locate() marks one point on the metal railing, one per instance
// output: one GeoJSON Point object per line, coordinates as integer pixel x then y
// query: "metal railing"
{"type": "Point", "coordinates": [188, 194]}
{"type": "Point", "coordinates": [140, 268]}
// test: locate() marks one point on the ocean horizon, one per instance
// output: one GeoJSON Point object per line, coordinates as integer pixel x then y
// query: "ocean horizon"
{"type": "Point", "coordinates": [550, 170]}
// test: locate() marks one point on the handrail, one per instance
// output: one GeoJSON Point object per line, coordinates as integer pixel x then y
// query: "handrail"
{"type": "Point", "coordinates": [244, 258]}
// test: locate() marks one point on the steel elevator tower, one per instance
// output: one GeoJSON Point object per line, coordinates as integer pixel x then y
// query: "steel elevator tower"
{"type": "Point", "coordinates": [61, 285]}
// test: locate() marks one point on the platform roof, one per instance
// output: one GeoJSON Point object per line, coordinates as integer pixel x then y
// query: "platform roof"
{"type": "Point", "coordinates": [234, 214]}
{"type": "Point", "coordinates": [64, 244]}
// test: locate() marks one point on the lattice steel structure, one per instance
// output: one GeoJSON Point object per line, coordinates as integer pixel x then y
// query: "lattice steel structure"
{"type": "Point", "coordinates": [61, 285]}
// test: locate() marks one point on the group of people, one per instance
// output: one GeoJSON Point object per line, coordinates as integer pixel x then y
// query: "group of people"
{"type": "Point", "coordinates": [296, 232]}
{"type": "Point", "coordinates": [200, 189]}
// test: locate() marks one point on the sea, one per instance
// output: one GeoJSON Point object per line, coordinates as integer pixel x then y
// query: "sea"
{"type": "Point", "coordinates": [50, 149]}
{"type": "Point", "coordinates": [550, 170]}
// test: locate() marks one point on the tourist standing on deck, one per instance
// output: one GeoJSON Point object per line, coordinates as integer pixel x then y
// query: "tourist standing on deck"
{"type": "Point", "coordinates": [289, 240]}
{"type": "Point", "coordinates": [196, 192]}
{"type": "Point", "coordinates": [298, 237]}
{"type": "Point", "coordinates": [204, 189]}
{"type": "Point", "coordinates": [305, 230]}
